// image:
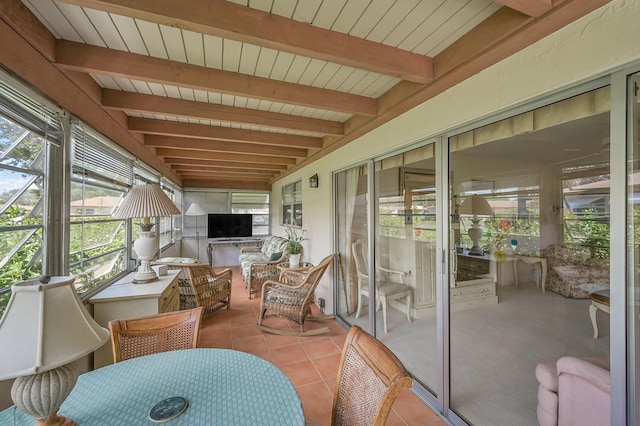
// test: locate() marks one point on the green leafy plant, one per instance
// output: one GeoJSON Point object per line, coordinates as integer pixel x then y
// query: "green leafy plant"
{"type": "Point", "coordinates": [295, 237]}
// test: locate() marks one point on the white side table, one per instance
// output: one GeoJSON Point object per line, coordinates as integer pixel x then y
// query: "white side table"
{"type": "Point", "coordinates": [531, 260]}
{"type": "Point", "coordinates": [599, 300]}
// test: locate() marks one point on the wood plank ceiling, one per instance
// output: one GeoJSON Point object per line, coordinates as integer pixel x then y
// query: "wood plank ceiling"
{"type": "Point", "coordinates": [238, 93]}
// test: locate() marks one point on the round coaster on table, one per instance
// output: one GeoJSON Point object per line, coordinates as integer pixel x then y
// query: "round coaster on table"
{"type": "Point", "coordinates": [168, 409]}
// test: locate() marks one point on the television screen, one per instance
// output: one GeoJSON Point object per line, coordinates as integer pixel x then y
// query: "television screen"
{"type": "Point", "coordinates": [227, 225]}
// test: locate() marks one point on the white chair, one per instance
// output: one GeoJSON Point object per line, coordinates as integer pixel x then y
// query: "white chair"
{"type": "Point", "coordinates": [386, 289]}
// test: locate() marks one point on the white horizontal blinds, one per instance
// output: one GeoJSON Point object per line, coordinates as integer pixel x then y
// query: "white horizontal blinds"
{"type": "Point", "coordinates": [96, 158]}
{"type": "Point", "coordinates": [145, 174]}
{"type": "Point", "coordinates": [25, 107]}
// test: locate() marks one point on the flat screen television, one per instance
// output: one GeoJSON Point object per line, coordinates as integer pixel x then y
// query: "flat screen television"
{"type": "Point", "coordinates": [227, 225]}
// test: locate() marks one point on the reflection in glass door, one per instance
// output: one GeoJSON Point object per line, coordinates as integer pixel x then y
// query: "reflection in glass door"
{"type": "Point", "coordinates": [530, 203]}
{"type": "Point", "coordinates": [400, 258]}
{"type": "Point", "coordinates": [633, 251]}
{"type": "Point", "coordinates": [405, 259]}
{"type": "Point", "coordinates": [351, 226]}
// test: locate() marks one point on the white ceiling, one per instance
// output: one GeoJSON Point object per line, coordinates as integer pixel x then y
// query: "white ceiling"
{"type": "Point", "coordinates": [426, 28]}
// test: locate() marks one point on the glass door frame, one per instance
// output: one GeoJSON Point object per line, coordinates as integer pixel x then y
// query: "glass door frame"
{"type": "Point", "coordinates": [623, 386]}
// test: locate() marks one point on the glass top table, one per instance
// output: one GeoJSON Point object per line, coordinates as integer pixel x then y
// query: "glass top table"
{"type": "Point", "coordinates": [222, 387]}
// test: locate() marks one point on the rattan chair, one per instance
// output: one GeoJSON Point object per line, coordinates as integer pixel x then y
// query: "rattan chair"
{"type": "Point", "coordinates": [370, 378]}
{"type": "Point", "coordinates": [201, 285]}
{"type": "Point", "coordinates": [212, 289]}
{"type": "Point", "coordinates": [170, 331]}
{"type": "Point", "coordinates": [291, 298]}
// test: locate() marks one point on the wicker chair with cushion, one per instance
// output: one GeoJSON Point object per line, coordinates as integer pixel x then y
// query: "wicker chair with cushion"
{"type": "Point", "coordinates": [134, 337]}
{"type": "Point", "coordinates": [212, 289]}
{"type": "Point", "coordinates": [187, 294]}
{"type": "Point", "coordinates": [291, 299]}
{"type": "Point", "coordinates": [370, 378]}
{"type": "Point", "coordinates": [201, 285]}
{"type": "Point", "coordinates": [260, 264]}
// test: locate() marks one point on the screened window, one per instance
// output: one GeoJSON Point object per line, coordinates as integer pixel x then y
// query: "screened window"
{"type": "Point", "coordinates": [255, 203]}
{"type": "Point", "coordinates": [25, 129]}
{"type": "Point", "coordinates": [101, 176]}
{"type": "Point", "coordinates": [292, 204]}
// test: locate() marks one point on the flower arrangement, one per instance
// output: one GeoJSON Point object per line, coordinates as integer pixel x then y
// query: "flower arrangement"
{"type": "Point", "coordinates": [295, 237]}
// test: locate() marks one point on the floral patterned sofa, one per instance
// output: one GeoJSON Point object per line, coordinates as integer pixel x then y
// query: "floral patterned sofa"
{"type": "Point", "coordinates": [260, 264]}
{"type": "Point", "coordinates": [572, 272]}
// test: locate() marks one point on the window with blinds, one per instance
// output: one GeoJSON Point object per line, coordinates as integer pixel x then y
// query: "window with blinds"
{"type": "Point", "coordinates": [27, 124]}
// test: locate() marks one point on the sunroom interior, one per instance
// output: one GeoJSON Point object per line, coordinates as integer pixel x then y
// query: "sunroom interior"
{"type": "Point", "coordinates": [540, 154]}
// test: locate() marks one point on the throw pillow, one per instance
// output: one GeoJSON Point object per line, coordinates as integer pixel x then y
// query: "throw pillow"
{"type": "Point", "coordinates": [275, 256]}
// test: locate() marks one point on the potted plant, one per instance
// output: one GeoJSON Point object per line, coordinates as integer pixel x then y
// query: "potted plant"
{"type": "Point", "coordinates": [295, 236]}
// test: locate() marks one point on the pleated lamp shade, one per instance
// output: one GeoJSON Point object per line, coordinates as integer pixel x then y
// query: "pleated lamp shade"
{"type": "Point", "coordinates": [476, 205]}
{"type": "Point", "coordinates": [146, 201]}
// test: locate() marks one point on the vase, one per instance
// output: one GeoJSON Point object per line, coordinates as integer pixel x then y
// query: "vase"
{"type": "Point", "coordinates": [294, 260]}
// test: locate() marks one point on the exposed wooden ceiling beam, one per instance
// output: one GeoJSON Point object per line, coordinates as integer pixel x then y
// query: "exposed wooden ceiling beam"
{"type": "Point", "coordinates": [197, 182]}
{"type": "Point", "coordinates": [223, 146]}
{"type": "Point", "coordinates": [177, 162]}
{"type": "Point", "coordinates": [501, 35]}
{"type": "Point", "coordinates": [247, 25]}
{"type": "Point", "coordinates": [237, 171]}
{"type": "Point", "coordinates": [250, 178]}
{"type": "Point", "coordinates": [245, 158]}
{"type": "Point", "coordinates": [116, 63]}
{"type": "Point", "coordinates": [204, 131]}
{"type": "Point", "coordinates": [533, 8]}
{"type": "Point", "coordinates": [151, 104]}
{"type": "Point", "coordinates": [74, 94]}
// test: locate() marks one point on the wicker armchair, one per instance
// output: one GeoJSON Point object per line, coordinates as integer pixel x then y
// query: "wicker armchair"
{"type": "Point", "coordinates": [370, 378]}
{"type": "Point", "coordinates": [201, 285]}
{"type": "Point", "coordinates": [134, 337]}
{"type": "Point", "coordinates": [291, 299]}
{"type": "Point", "coordinates": [212, 289]}
{"type": "Point", "coordinates": [187, 294]}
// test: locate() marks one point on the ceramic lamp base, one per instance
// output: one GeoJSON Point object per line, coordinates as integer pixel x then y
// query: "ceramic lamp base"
{"type": "Point", "coordinates": [146, 247]}
{"type": "Point", "coordinates": [42, 394]}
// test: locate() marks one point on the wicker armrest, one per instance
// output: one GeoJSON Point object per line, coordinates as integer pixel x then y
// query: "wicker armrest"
{"type": "Point", "coordinates": [292, 278]}
{"type": "Point", "coordinates": [258, 264]}
{"type": "Point", "coordinates": [250, 250]}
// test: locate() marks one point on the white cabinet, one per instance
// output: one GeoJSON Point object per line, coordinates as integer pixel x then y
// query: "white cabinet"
{"type": "Point", "coordinates": [123, 299]}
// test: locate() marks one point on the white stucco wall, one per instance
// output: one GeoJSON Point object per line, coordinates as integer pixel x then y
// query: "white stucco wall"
{"type": "Point", "coordinates": [590, 47]}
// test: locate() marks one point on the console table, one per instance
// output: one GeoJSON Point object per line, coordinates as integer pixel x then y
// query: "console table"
{"type": "Point", "coordinates": [123, 299]}
{"type": "Point", "coordinates": [230, 242]}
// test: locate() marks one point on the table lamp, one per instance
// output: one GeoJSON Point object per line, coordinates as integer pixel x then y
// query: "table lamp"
{"type": "Point", "coordinates": [145, 201]}
{"type": "Point", "coordinates": [44, 330]}
{"type": "Point", "coordinates": [195, 209]}
{"type": "Point", "coordinates": [475, 205]}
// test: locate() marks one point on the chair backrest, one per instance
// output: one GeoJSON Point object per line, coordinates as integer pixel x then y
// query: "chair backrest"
{"type": "Point", "coordinates": [134, 337]}
{"type": "Point", "coordinates": [360, 254]}
{"type": "Point", "coordinates": [370, 378]}
{"type": "Point", "coordinates": [312, 278]}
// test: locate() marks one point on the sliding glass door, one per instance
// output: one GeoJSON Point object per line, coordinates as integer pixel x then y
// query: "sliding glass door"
{"type": "Point", "coordinates": [633, 250]}
{"type": "Point", "coordinates": [530, 224]}
{"type": "Point", "coordinates": [387, 279]}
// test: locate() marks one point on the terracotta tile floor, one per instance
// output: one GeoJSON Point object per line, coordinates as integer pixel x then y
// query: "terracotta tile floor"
{"type": "Point", "coordinates": [311, 363]}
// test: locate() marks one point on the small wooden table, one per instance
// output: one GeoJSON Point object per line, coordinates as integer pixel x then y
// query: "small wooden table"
{"type": "Point", "coordinates": [599, 300]}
